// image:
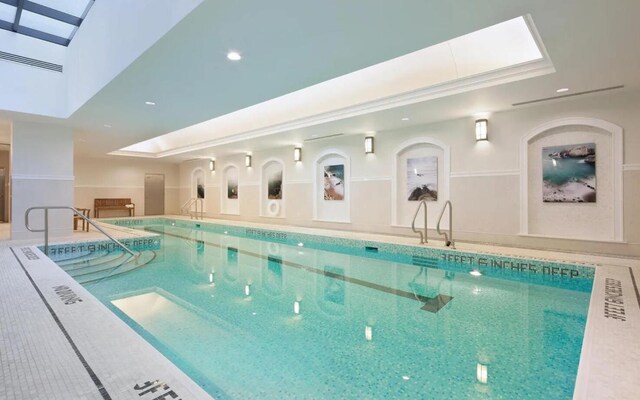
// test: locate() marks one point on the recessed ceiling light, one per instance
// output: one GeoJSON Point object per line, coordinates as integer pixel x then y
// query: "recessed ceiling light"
{"type": "Point", "coordinates": [150, 103]}
{"type": "Point", "coordinates": [562, 90]}
{"type": "Point", "coordinates": [107, 126]}
{"type": "Point", "coordinates": [234, 56]}
{"type": "Point", "coordinates": [405, 118]}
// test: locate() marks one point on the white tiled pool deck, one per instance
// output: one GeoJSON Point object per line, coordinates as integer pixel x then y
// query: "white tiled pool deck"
{"type": "Point", "coordinates": [53, 350]}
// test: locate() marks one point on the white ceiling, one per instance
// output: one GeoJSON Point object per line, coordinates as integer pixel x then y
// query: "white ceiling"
{"type": "Point", "coordinates": [288, 45]}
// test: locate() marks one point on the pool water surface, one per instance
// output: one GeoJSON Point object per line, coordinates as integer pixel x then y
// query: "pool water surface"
{"type": "Point", "coordinates": [255, 319]}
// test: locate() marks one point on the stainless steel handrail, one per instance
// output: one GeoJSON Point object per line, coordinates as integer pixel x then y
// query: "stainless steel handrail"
{"type": "Point", "coordinates": [76, 212]}
{"type": "Point", "coordinates": [448, 239]}
{"type": "Point", "coordinates": [186, 207]}
{"type": "Point", "coordinates": [423, 237]}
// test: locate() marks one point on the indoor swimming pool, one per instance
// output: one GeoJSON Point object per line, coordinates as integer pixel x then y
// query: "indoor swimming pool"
{"type": "Point", "coordinates": [256, 314]}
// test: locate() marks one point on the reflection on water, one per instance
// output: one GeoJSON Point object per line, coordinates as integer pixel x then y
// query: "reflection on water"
{"type": "Point", "coordinates": [291, 326]}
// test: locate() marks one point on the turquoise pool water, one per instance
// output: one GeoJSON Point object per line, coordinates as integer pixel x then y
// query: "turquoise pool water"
{"type": "Point", "coordinates": [257, 319]}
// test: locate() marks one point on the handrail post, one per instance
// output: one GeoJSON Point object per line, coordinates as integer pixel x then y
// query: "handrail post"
{"type": "Point", "coordinates": [447, 238]}
{"type": "Point", "coordinates": [46, 231]}
{"type": "Point", "coordinates": [423, 236]}
{"type": "Point", "coordinates": [425, 220]}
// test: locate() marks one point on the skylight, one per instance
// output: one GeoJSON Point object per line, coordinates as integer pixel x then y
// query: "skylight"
{"type": "Point", "coordinates": [54, 21]}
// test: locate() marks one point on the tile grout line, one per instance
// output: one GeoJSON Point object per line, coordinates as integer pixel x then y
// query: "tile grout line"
{"type": "Point", "coordinates": [103, 391]}
{"type": "Point", "coordinates": [635, 286]}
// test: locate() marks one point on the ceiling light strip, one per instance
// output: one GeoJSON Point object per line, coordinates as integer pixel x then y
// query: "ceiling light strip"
{"type": "Point", "coordinates": [568, 95]}
{"type": "Point", "coordinates": [30, 61]}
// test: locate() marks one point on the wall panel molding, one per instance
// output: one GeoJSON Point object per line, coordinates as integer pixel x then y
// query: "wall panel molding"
{"type": "Point", "coordinates": [42, 177]}
{"type": "Point", "coordinates": [473, 174]}
{"type": "Point", "coordinates": [631, 167]}
{"type": "Point", "coordinates": [616, 155]}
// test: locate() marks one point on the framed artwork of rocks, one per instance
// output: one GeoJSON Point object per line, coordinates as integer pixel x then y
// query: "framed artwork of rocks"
{"type": "Point", "coordinates": [569, 173]}
{"type": "Point", "coordinates": [422, 178]}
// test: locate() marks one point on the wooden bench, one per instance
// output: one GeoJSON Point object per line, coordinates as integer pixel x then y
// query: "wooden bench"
{"type": "Point", "coordinates": [113, 204]}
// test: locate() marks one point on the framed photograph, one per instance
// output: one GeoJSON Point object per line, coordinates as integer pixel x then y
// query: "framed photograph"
{"type": "Point", "coordinates": [232, 188]}
{"type": "Point", "coordinates": [334, 182]}
{"type": "Point", "coordinates": [274, 184]}
{"type": "Point", "coordinates": [569, 173]}
{"type": "Point", "coordinates": [422, 178]}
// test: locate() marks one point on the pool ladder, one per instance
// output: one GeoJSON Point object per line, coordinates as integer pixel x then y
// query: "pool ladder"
{"type": "Point", "coordinates": [186, 208]}
{"type": "Point", "coordinates": [448, 238]}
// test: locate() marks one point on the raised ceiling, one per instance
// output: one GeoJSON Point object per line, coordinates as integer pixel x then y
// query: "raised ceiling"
{"type": "Point", "coordinates": [289, 45]}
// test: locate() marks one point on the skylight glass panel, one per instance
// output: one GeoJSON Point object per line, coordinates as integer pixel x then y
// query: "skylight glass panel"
{"type": "Point", "coordinates": [44, 24]}
{"type": "Point", "coordinates": [7, 12]}
{"type": "Point", "coordinates": [73, 7]}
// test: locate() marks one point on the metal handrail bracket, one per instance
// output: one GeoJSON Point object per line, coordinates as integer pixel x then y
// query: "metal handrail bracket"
{"type": "Point", "coordinates": [423, 236]}
{"type": "Point", "coordinates": [448, 239]}
{"type": "Point", "coordinates": [76, 212]}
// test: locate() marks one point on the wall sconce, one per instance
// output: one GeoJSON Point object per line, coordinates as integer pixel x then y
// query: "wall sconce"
{"type": "Point", "coordinates": [247, 160]}
{"type": "Point", "coordinates": [482, 373]}
{"type": "Point", "coordinates": [481, 129]}
{"type": "Point", "coordinates": [212, 165]}
{"type": "Point", "coordinates": [297, 154]}
{"type": "Point", "coordinates": [368, 145]}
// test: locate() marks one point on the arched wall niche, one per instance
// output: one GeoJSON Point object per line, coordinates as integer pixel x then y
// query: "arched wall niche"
{"type": "Point", "coordinates": [421, 152]}
{"type": "Point", "coordinates": [272, 196]}
{"type": "Point", "coordinates": [601, 220]}
{"type": "Point", "coordinates": [332, 187]}
{"type": "Point", "coordinates": [229, 192]}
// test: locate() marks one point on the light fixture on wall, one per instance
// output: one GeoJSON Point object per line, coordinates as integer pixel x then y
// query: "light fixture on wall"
{"type": "Point", "coordinates": [482, 129]}
{"type": "Point", "coordinates": [368, 145]}
{"type": "Point", "coordinates": [297, 154]}
{"type": "Point", "coordinates": [247, 160]}
{"type": "Point", "coordinates": [212, 165]}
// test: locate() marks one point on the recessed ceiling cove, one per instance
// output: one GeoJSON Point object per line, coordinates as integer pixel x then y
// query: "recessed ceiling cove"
{"type": "Point", "coordinates": [506, 52]}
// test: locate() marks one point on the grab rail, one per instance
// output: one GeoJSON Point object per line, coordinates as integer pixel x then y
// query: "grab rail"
{"type": "Point", "coordinates": [76, 212]}
{"type": "Point", "coordinates": [448, 239]}
{"type": "Point", "coordinates": [423, 237]}
{"type": "Point", "coordinates": [186, 207]}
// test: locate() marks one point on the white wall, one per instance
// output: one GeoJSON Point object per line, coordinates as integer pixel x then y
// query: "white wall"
{"type": "Point", "coordinates": [41, 175]}
{"type": "Point", "coordinates": [28, 89]}
{"type": "Point", "coordinates": [122, 177]}
{"type": "Point", "coordinates": [484, 180]}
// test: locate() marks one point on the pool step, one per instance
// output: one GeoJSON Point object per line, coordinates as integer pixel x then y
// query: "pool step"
{"type": "Point", "coordinates": [421, 261]}
{"type": "Point", "coordinates": [65, 259]}
{"type": "Point", "coordinates": [111, 264]}
{"type": "Point", "coordinates": [94, 259]}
